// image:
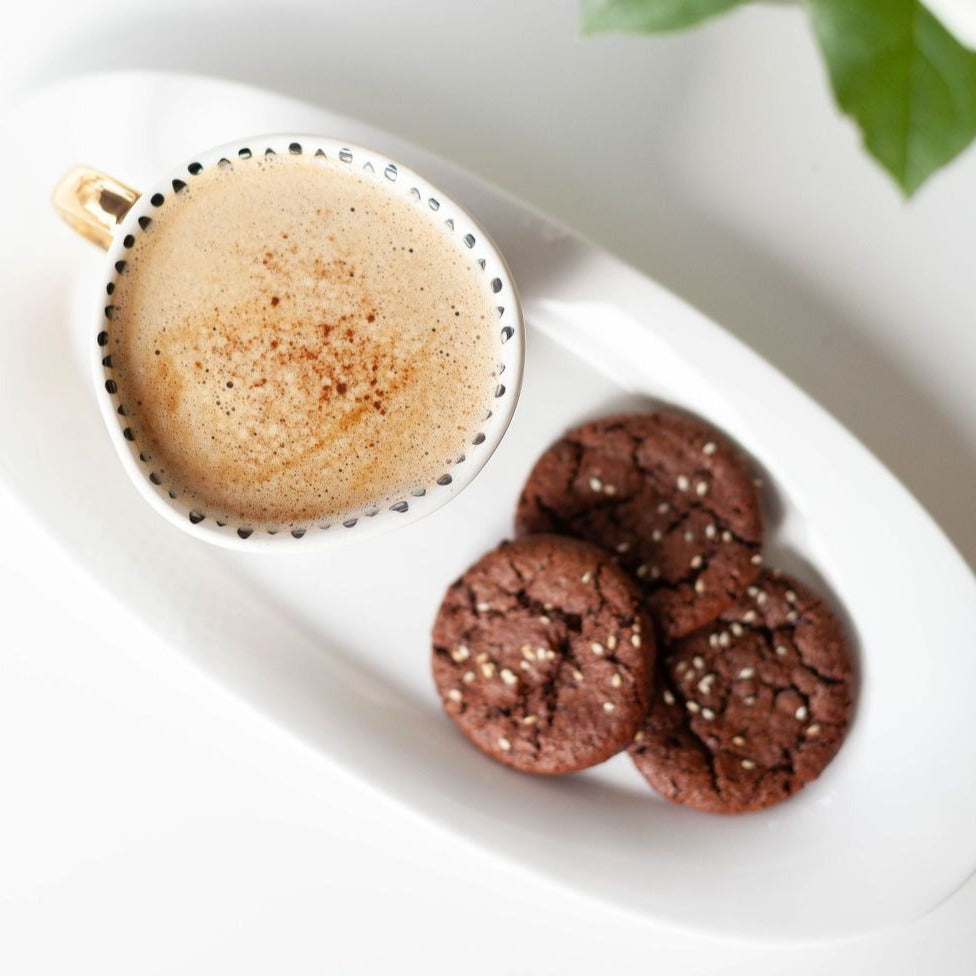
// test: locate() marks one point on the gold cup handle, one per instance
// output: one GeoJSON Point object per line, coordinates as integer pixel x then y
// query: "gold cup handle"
{"type": "Point", "coordinates": [93, 203]}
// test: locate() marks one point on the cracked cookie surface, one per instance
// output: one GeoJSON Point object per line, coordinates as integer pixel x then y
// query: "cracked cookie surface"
{"type": "Point", "coordinates": [671, 497]}
{"type": "Point", "coordinates": [752, 707]}
{"type": "Point", "coordinates": [543, 656]}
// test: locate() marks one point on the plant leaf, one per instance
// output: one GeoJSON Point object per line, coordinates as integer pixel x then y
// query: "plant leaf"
{"type": "Point", "coordinates": [649, 16]}
{"type": "Point", "coordinates": [909, 84]}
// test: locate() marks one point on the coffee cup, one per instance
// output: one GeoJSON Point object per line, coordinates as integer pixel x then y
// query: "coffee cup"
{"type": "Point", "coordinates": [297, 341]}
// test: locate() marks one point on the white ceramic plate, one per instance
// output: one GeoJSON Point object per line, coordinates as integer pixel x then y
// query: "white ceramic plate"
{"type": "Point", "coordinates": [334, 646]}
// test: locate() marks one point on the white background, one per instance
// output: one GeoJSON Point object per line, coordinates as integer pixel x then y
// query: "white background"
{"type": "Point", "coordinates": [714, 161]}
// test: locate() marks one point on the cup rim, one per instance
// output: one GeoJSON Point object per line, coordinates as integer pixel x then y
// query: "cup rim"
{"type": "Point", "coordinates": [367, 522]}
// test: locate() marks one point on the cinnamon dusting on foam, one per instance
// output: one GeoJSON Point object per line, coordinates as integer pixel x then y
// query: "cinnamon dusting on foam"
{"type": "Point", "coordinates": [292, 343]}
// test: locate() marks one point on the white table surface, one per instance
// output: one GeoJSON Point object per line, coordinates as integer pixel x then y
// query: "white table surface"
{"type": "Point", "coordinates": [210, 841]}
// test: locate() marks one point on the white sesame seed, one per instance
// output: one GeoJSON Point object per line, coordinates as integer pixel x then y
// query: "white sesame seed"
{"type": "Point", "coordinates": [508, 677]}
{"type": "Point", "coordinates": [696, 562]}
{"type": "Point", "coordinates": [736, 629]}
{"type": "Point", "coordinates": [761, 597]}
{"type": "Point", "coordinates": [812, 730]}
{"type": "Point", "coordinates": [682, 483]}
{"type": "Point", "coordinates": [726, 536]}
{"type": "Point", "coordinates": [544, 620]}
{"type": "Point", "coordinates": [642, 570]}
{"type": "Point", "coordinates": [454, 695]}
{"type": "Point", "coordinates": [616, 681]}
{"type": "Point", "coordinates": [747, 673]}
{"type": "Point", "coordinates": [668, 697]}
{"type": "Point", "coordinates": [713, 640]}
{"type": "Point", "coordinates": [701, 489]}
{"type": "Point", "coordinates": [578, 675]}
{"type": "Point", "coordinates": [699, 585]}
{"type": "Point", "coordinates": [707, 714]}
{"type": "Point", "coordinates": [504, 744]}
{"type": "Point", "coordinates": [792, 617]}
{"type": "Point", "coordinates": [752, 591]}
{"type": "Point", "coordinates": [663, 508]}
{"type": "Point", "coordinates": [748, 764]}
{"type": "Point", "coordinates": [723, 639]}
{"type": "Point", "coordinates": [488, 669]}
{"type": "Point", "coordinates": [635, 640]}
{"type": "Point", "coordinates": [596, 647]}
{"type": "Point", "coordinates": [698, 661]}
{"type": "Point", "coordinates": [656, 535]}
{"type": "Point", "coordinates": [738, 740]}
{"type": "Point", "coordinates": [750, 700]}
{"type": "Point", "coordinates": [587, 577]}
{"type": "Point", "coordinates": [680, 666]}
{"type": "Point", "coordinates": [749, 616]}
{"type": "Point", "coordinates": [801, 713]}
{"type": "Point", "coordinates": [550, 654]}
{"type": "Point", "coordinates": [483, 607]}
{"type": "Point", "coordinates": [530, 719]}
{"type": "Point", "coordinates": [547, 606]}
{"type": "Point", "coordinates": [756, 560]}
{"type": "Point", "coordinates": [639, 735]}
{"type": "Point", "coordinates": [689, 536]}
{"type": "Point", "coordinates": [710, 531]}
{"type": "Point", "coordinates": [525, 665]}
{"type": "Point", "coordinates": [467, 677]}
{"type": "Point", "coordinates": [609, 489]}
{"type": "Point", "coordinates": [709, 448]}
{"type": "Point", "coordinates": [790, 596]}
{"type": "Point", "coordinates": [705, 685]}
{"type": "Point", "coordinates": [482, 657]}
{"type": "Point", "coordinates": [596, 484]}
{"type": "Point", "coordinates": [692, 706]}
{"type": "Point", "coordinates": [780, 650]}
{"type": "Point", "coordinates": [608, 707]}
{"type": "Point", "coordinates": [611, 641]}
{"type": "Point", "coordinates": [527, 652]}
{"type": "Point", "coordinates": [623, 546]}
{"type": "Point", "coordinates": [655, 572]}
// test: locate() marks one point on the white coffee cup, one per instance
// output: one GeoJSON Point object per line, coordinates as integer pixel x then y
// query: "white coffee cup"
{"type": "Point", "coordinates": [111, 214]}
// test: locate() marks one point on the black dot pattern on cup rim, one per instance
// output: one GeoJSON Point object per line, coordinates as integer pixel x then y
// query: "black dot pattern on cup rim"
{"type": "Point", "coordinates": [383, 172]}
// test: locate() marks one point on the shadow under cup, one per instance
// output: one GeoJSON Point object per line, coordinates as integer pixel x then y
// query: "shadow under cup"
{"type": "Point", "coordinates": [508, 348]}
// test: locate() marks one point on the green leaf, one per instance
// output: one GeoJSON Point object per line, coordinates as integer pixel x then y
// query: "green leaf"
{"type": "Point", "coordinates": [649, 16]}
{"type": "Point", "coordinates": [909, 84]}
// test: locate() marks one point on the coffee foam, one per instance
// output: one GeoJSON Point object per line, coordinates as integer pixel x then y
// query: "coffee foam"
{"type": "Point", "coordinates": [293, 343]}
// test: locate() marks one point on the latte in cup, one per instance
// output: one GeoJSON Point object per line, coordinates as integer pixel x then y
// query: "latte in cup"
{"type": "Point", "coordinates": [293, 342]}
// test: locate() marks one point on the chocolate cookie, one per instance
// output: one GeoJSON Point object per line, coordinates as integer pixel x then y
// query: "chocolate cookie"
{"type": "Point", "coordinates": [751, 708]}
{"type": "Point", "coordinates": [670, 496]}
{"type": "Point", "coordinates": [542, 655]}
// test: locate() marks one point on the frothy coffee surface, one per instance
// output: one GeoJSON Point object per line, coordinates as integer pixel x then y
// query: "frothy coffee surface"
{"type": "Point", "coordinates": [292, 342]}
